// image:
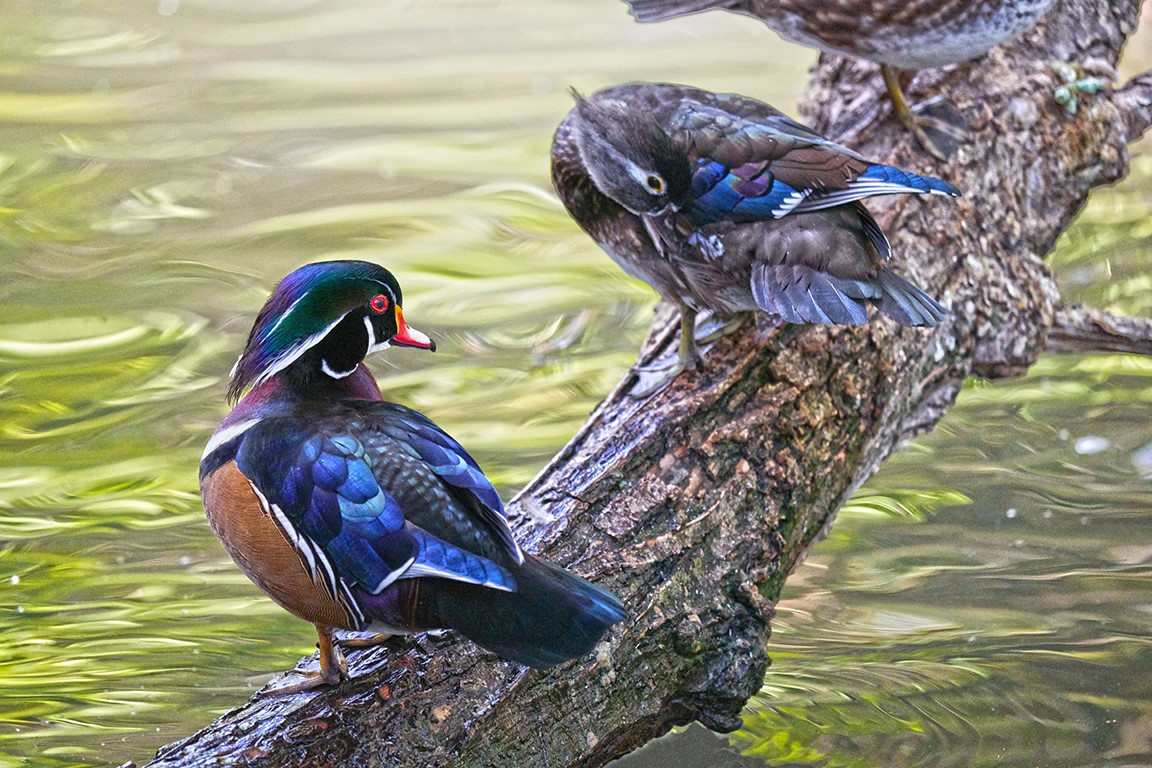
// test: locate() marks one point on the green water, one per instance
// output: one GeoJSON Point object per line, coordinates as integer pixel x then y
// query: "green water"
{"type": "Point", "coordinates": [163, 163]}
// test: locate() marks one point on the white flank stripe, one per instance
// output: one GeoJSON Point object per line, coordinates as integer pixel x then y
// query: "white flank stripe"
{"type": "Point", "coordinates": [351, 606]}
{"type": "Point", "coordinates": [293, 538]}
{"type": "Point", "coordinates": [319, 568]}
{"type": "Point", "coordinates": [224, 435]}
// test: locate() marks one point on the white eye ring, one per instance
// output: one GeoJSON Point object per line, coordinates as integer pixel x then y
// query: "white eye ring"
{"type": "Point", "coordinates": [652, 182]}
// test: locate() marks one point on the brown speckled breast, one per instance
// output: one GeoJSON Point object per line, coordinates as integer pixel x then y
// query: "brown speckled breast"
{"type": "Point", "coordinates": [259, 545]}
{"type": "Point", "coordinates": [908, 34]}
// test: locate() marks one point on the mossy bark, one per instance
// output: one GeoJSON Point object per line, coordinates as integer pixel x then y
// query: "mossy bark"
{"type": "Point", "coordinates": [695, 505]}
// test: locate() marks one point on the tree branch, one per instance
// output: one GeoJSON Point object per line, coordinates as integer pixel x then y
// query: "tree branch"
{"type": "Point", "coordinates": [1083, 329]}
{"type": "Point", "coordinates": [1134, 101]}
{"type": "Point", "coordinates": [695, 504]}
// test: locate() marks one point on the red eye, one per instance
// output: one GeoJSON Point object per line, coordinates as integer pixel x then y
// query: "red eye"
{"type": "Point", "coordinates": [379, 304]}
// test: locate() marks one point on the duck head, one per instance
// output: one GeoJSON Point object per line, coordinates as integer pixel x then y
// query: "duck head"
{"type": "Point", "coordinates": [320, 322]}
{"type": "Point", "coordinates": [630, 158]}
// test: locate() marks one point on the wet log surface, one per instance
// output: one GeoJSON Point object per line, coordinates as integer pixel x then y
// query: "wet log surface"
{"type": "Point", "coordinates": [695, 504]}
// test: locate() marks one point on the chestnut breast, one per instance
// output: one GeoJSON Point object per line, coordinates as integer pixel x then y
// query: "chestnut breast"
{"type": "Point", "coordinates": [259, 544]}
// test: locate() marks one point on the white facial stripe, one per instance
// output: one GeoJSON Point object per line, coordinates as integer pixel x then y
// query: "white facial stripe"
{"type": "Point", "coordinates": [372, 347]}
{"type": "Point", "coordinates": [337, 374]}
{"type": "Point", "coordinates": [602, 182]}
{"type": "Point", "coordinates": [293, 354]}
{"type": "Point", "coordinates": [371, 331]}
{"type": "Point", "coordinates": [224, 435]}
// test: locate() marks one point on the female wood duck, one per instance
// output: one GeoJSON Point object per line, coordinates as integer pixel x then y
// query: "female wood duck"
{"type": "Point", "coordinates": [896, 34]}
{"type": "Point", "coordinates": [355, 513]}
{"type": "Point", "coordinates": [721, 202]}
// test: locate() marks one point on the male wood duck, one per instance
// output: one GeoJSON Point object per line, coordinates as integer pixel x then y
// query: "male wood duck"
{"type": "Point", "coordinates": [721, 202]}
{"type": "Point", "coordinates": [896, 34]}
{"type": "Point", "coordinates": [354, 513]}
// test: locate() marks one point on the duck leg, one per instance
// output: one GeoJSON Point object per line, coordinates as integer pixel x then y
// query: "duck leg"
{"type": "Point", "coordinates": [332, 670]}
{"type": "Point", "coordinates": [695, 329]}
{"type": "Point", "coordinates": [654, 376]}
{"type": "Point", "coordinates": [689, 353]}
{"type": "Point", "coordinates": [936, 124]}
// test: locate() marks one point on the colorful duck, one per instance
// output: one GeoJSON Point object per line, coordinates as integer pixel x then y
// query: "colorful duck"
{"type": "Point", "coordinates": [355, 513]}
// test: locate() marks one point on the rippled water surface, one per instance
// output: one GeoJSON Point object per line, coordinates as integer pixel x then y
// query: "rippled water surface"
{"type": "Point", "coordinates": [985, 600]}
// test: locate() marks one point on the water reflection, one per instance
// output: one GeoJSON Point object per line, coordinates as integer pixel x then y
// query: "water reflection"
{"type": "Point", "coordinates": [165, 162]}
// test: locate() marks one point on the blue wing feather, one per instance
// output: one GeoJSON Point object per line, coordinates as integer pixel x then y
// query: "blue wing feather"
{"type": "Point", "coordinates": [451, 463]}
{"type": "Point", "coordinates": [876, 181]}
{"type": "Point", "coordinates": [720, 193]}
{"type": "Point", "coordinates": [737, 177]}
{"type": "Point", "coordinates": [372, 558]}
{"type": "Point", "coordinates": [741, 195]}
{"type": "Point", "coordinates": [448, 459]}
{"type": "Point", "coordinates": [436, 557]}
{"type": "Point", "coordinates": [909, 181]}
{"type": "Point", "coordinates": [706, 176]}
{"type": "Point", "coordinates": [325, 487]}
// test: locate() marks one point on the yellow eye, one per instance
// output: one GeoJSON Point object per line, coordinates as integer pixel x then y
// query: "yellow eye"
{"type": "Point", "coordinates": [655, 184]}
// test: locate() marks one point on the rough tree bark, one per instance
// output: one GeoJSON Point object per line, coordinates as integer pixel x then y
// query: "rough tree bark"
{"type": "Point", "coordinates": [695, 505]}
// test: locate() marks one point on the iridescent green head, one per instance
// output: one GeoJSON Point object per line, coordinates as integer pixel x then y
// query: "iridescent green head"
{"type": "Point", "coordinates": [321, 321]}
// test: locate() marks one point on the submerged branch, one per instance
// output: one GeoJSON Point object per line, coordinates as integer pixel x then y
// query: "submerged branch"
{"type": "Point", "coordinates": [694, 505]}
